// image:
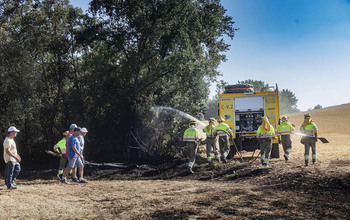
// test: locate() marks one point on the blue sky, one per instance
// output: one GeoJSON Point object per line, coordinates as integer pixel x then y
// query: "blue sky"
{"type": "Point", "coordinates": [302, 45]}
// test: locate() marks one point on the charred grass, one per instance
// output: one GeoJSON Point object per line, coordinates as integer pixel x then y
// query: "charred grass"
{"type": "Point", "coordinates": [235, 190]}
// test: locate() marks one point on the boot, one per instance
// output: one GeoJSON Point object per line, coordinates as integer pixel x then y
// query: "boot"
{"type": "Point", "coordinates": [223, 158]}
{"type": "Point", "coordinates": [313, 161]}
{"type": "Point", "coordinates": [286, 157]}
{"type": "Point", "coordinates": [189, 170]}
{"type": "Point", "coordinates": [306, 163]}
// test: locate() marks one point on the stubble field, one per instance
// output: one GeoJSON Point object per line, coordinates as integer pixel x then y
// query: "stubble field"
{"type": "Point", "coordinates": [236, 190]}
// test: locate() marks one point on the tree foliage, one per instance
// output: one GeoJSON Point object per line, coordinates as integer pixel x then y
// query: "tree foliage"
{"type": "Point", "coordinates": [106, 69]}
{"type": "Point", "coordinates": [258, 85]}
{"type": "Point", "coordinates": [288, 102]}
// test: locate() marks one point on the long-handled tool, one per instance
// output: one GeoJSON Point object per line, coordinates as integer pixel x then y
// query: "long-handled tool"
{"type": "Point", "coordinates": [239, 153]}
{"type": "Point", "coordinates": [53, 153]}
{"type": "Point", "coordinates": [255, 157]}
{"type": "Point", "coordinates": [256, 146]}
{"type": "Point", "coordinates": [322, 139]}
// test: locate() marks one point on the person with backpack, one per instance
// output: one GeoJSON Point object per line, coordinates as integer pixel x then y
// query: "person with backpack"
{"type": "Point", "coordinates": [309, 129]}
{"type": "Point", "coordinates": [60, 148]}
{"type": "Point", "coordinates": [285, 130]}
{"type": "Point", "coordinates": [209, 130]}
{"type": "Point", "coordinates": [191, 138]}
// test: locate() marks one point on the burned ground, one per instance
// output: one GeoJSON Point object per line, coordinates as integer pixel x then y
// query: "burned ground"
{"type": "Point", "coordinates": [235, 190]}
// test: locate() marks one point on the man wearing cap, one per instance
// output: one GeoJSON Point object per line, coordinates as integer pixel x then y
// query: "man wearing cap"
{"type": "Point", "coordinates": [284, 130]}
{"type": "Point", "coordinates": [81, 140]}
{"type": "Point", "coordinates": [74, 157]}
{"type": "Point", "coordinates": [83, 132]}
{"type": "Point", "coordinates": [60, 148]}
{"type": "Point", "coordinates": [209, 130]}
{"type": "Point", "coordinates": [264, 133]}
{"type": "Point", "coordinates": [191, 138]}
{"type": "Point", "coordinates": [223, 131]}
{"type": "Point", "coordinates": [11, 158]}
{"type": "Point", "coordinates": [309, 129]}
{"type": "Point", "coordinates": [70, 133]}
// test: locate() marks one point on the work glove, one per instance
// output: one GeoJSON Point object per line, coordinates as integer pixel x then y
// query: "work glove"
{"type": "Point", "coordinates": [315, 138]}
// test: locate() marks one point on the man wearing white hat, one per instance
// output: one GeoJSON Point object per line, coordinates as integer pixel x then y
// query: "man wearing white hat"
{"type": "Point", "coordinates": [83, 132]}
{"type": "Point", "coordinates": [11, 158]}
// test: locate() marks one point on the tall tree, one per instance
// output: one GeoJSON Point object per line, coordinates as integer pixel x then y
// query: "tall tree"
{"type": "Point", "coordinates": [288, 102]}
{"type": "Point", "coordinates": [257, 85]}
{"type": "Point", "coordinates": [159, 53]}
{"type": "Point", "coordinates": [35, 48]}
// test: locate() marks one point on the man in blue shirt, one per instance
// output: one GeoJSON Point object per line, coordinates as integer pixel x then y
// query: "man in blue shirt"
{"type": "Point", "coordinates": [75, 158]}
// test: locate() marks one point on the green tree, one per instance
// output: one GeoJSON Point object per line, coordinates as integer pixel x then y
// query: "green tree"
{"type": "Point", "coordinates": [288, 102]}
{"type": "Point", "coordinates": [257, 85]}
{"type": "Point", "coordinates": [36, 71]}
{"type": "Point", "coordinates": [159, 53]}
{"type": "Point", "coordinates": [212, 110]}
{"type": "Point", "coordinates": [318, 106]}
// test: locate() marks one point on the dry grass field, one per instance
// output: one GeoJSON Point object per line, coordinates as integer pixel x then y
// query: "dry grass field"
{"type": "Point", "coordinates": [236, 190]}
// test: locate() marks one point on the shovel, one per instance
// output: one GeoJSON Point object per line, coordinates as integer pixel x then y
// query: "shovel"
{"type": "Point", "coordinates": [322, 139]}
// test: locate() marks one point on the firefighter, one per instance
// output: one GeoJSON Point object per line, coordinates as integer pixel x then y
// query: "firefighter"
{"type": "Point", "coordinates": [284, 130]}
{"type": "Point", "coordinates": [209, 130]}
{"type": "Point", "coordinates": [223, 131]}
{"type": "Point", "coordinates": [60, 148]}
{"type": "Point", "coordinates": [191, 138]}
{"type": "Point", "coordinates": [309, 129]}
{"type": "Point", "coordinates": [264, 133]}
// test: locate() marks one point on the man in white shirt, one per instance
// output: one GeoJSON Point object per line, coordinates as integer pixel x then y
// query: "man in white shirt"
{"type": "Point", "coordinates": [83, 132]}
{"type": "Point", "coordinates": [11, 158]}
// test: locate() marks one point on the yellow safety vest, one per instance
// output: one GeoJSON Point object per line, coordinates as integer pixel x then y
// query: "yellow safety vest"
{"type": "Point", "coordinates": [209, 133]}
{"type": "Point", "coordinates": [285, 128]}
{"type": "Point", "coordinates": [310, 130]}
{"type": "Point", "coordinates": [191, 134]}
{"type": "Point", "coordinates": [60, 147]}
{"type": "Point", "coordinates": [267, 134]}
{"type": "Point", "coordinates": [223, 129]}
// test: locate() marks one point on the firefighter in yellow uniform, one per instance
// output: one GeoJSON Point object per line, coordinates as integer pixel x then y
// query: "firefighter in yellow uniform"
{"type": "Point", "coordinates": [264, 133]}
{"type": "Point", "coordinates": [209, 130]}
{"type": "Point", "coordinates": [309, 129]}
{"type": "Point", "coordinates": [285, 130]}
{"type": "Point", "coordinates": [191, 138]}
{"type": "Point", "coordinates": [223, 131]}
{"type": "Point", "coordinates": [60, 148]}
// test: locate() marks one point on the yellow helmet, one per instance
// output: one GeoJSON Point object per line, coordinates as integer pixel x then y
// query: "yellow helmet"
{"type": "Point", "coordinates": [307, 116]}
{"type": "Point", "coordinates": [265, 118]}
{"type": "Point", "coordinates": [220, 119]}
{"type": "Point", "coordinates": [65, 133]}
{"type": "Point", "coordinates": [192, 122]}
{"type": "Point", "coordinates": [284, 118]}
{"type": "Point", "coordinates": [212, 119]}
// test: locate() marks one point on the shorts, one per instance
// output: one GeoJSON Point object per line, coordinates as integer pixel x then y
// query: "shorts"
{"type": "Point", "coordinates": [75, 162]}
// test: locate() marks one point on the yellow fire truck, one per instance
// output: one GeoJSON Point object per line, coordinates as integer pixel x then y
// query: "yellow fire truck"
{"type": "Point", "coordinates": [243, 109]}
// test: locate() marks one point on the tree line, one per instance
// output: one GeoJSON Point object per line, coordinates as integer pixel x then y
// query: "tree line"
{"type": "Point", "coordinates": [105, 69]}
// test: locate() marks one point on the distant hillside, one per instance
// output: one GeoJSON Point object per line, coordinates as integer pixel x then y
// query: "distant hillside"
{"type": "Point", "coordinates": [335, 119]}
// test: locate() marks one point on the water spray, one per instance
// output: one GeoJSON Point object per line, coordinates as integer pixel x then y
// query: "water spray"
{"type": "Point", "coordinates": [183, 114]}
